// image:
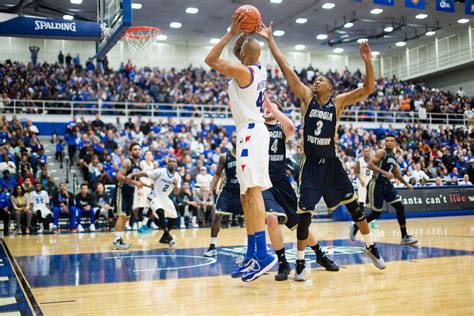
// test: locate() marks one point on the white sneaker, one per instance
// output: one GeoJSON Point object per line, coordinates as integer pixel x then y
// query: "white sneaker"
{"type": "Point", "coordinates": [52, 228]}
{"type": "Point", "coordinates": [80, 229]}
{"type": "Point", "coordinates": [153, 226]}
{"type": "Point", "coordinates": [194, 225]}
{"type": "Point", "coordinates": [182, 225]}
{"type": "Point", "coordinates": [211, 252]}
{"type": "Point", "coordinates": [92, 227]}
{"type": "Point", "coordinates": [300, 271]}
{"type": "Point", "coordinates": [135, 226]}
{"type": "Point", "coordinates": [41, 229]}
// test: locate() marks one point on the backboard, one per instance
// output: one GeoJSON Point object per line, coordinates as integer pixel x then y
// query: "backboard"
{"type": "Point", "coordinates": [115, 17]}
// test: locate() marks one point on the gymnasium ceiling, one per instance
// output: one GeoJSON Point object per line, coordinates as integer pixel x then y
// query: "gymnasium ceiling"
{"type": "Point", "coordinates": [214, 17]}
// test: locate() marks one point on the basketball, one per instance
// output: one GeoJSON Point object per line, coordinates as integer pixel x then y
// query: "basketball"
{"type": "Point", "coordinates": [252, 18]}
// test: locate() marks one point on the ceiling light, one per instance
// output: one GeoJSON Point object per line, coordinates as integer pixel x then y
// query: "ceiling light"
{"type": "Point", "coordinates": [400, 44]}
{"type": "Point", "coordinates": [376, 11]}
{"type": "Point", "coordinates": [68, 17]}
{"type": "Point", "coordinates": [214, 40]}
{"type": "Point", "coordinates": [192, 10]}
{"type": "Point", "coordinates": [375, 53]}
{"type": "Point", "coordinates": [175, 25]}
{"type": "Point", "coordinates": [421, 16]}
{"type": "Point", "coordinates": [360, 40]}
{"type": "Point", "coordinates": [328, 5]}
{"type": "Point", "coordinates": [261, 43]}
{"type": "Point", "coordinates": [275, 1]}
{"type": "Point", "coordinates": [300, 47]}
{"type": "Point", "coordinates": [430, 33]}
{"type": "Point", "coordinates": [348, 25]}
{"type": "Point", "coordinates": [462, 21]}
{"type": "Point", "coordinates": [338, 50]}
{"type": "Point", "coordinates": [301, 20]}
{"type": "Point", "coordinates": [137, 6]}
{"type": "Point", "coordinates": [321, 37]}
{"type": "Point", "coordinates": [162, 37]}
{"type": "Point", "coordinates": [76, 1]}
{"type": "Point", "coordinates": [279, 33]}
{"type": "Point", "coordinates": [388, 29]}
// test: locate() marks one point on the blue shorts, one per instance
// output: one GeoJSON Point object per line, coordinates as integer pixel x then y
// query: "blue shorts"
{"type": "Point", "coordinates": [379, 191]}
{"type": "Point", "coordinates": [228, 202]}
{"type": "Point", "coordinates": [281, 200]}
{"type": "Point", "coordinates": [324, 178]}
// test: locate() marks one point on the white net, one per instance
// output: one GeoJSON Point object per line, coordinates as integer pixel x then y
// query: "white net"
{"type": "Point", "coordinates": [140, 40]}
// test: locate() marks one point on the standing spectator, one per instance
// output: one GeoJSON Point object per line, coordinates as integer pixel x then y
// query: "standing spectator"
{"type": "Point", "coordinates": [460, 93]}
{"type": "Point", "coordinates": [59, 152]}
{"type": "Point", "coordinates": [72, 140]}
{"type": "Point", "coordinates": [4, 210]}
{"type": "Point", "coordinates": [61, 58]}
{"type": "Point", "coordinates": [85, 205]}
{"type": "Point", "coordinates": [68, 59]}
{"type": "Point", "coordinates": [77, 62]}
{"type": "Point", "coordinates": [34, 54]}
{"type": "Point", "coordinates": [21, 206]}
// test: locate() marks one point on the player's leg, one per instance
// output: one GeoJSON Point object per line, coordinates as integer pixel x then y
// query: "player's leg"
{"type": "Point", "coordinates": [124, 210]}
{"type": "Point", "coordinates": [244, 262]}
{"type": "Point", "coordinates": [215, 228]}
{"type": "Point", "coordinates": [406, 239]}
{"type": "Point", "coordinates": [276, 238]}
{"type": "Point", "coordinates": [321, 257]}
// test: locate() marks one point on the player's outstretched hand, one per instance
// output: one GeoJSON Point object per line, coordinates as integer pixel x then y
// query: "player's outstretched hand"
{"type": "Point", "coordinates": [237, 19]}
{"type": "Point", "coordinates": [266, 31]}
{"type": "Point", "coordinates": [365, 52]}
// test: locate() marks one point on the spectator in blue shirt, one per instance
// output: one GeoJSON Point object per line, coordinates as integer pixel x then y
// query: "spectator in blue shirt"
{"type": "Point", "coordinates": [5, 209]}
{"type": "Point", "coordinates": [8, 182]}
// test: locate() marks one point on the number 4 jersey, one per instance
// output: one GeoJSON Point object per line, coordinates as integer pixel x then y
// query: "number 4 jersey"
{"type": "Point", "coordinates": [163, 185]}
{"type": "Point", "coordinates": [247, 102]}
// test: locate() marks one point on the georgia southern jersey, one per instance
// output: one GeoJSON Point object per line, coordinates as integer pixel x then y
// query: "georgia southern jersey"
{"type": "Point", "coordinates": [231, 181]}
{"type": "Point", "coordinates": [277, 152]}
{"type": "Point", "coordinates": [388, 163]}
{"type": "Point", "coordinates": [163, 181]}
{"type": "Point", "coordinates": [247, 102]}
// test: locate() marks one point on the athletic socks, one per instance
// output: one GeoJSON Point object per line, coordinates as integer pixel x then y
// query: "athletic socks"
{"type": "Point", "coordinates": [300, 254]}
{"type": "Point", "coordinates": [403, 230]}
{"type": "Point", "coordinates": [213, 240]}
{"type": "Point", "coordinates": [261, 244]}
{"type": "Point", "coordinates": [250, 246]}
{"type": "Point", "coordinates": [281, 256]}
{"type": "Point", "coordinates": [368, 240]}
{"type": "Point", "coordinates": [118, 236]}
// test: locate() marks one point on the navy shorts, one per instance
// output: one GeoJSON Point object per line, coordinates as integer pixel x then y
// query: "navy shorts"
{"type": "Point", "coordinates": [379, 191]}
{"type": "Point", "coordinates": [324, 178]}
{"type": "Point", "coordinates": [228, 202]}
{"type": "Point", "coordinates": [123, 200]}
{"type": "Point", "coordinates": [281, 200]}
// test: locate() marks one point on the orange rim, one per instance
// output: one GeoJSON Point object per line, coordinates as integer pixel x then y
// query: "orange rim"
{"type": "Point", "coordinates": [154, 31]}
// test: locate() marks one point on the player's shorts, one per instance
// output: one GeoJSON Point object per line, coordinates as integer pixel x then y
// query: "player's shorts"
{"type": "Point", "coordinates": [378, 191]}
{"type": "Point", "coordinates": [123, 198]}
{"type": "Point", "coordinates": [253, 141]}
{"type": "Point", "coordinates": [140, 198]}
{"type": "Point", "coordinates": [228, 202]}
{"type": "Point", "coordinates": [164, 203]}
{"type": "Point", "coordinates": [361, 193]}
{"type": "Point", "coordinates": [326, 178]}
{"type": "Point", "coordinates": [281, 201]}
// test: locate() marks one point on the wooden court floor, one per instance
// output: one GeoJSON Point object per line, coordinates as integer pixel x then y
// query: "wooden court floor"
{"type": "Point", "coordinates": [78, 274]}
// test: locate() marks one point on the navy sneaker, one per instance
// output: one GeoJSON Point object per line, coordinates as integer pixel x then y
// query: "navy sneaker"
{"type": "Point", "coordinates": [243, 264]}
{"type": "Point", "coordinates": [258, 267]}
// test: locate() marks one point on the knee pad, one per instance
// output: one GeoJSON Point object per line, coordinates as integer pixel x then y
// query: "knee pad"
{"type": "Point", "coordinates": [356, 212]}
{"type": "Point", "coordinates": [302, 231]}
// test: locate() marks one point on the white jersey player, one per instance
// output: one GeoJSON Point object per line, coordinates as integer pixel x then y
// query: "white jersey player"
{"type": "Point", "coordinates": [165, 181]}
{"type": "Point", "coordinates": [140, 197]}
{"type": "Point", "coordinates": [247, 93]}
{"type": "Point", "coordinates": [364, 174]}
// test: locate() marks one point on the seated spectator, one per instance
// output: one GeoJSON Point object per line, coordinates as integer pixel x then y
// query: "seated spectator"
{"type": "Point", "coordinates": [40, 208]}
{"type": "Point", "coordinates": [28, 184]}
{"type": "Point", "coordinates": [64, 203]}
{"type": "Point", "coordinates": [102, 204]}
{"type": "Point", "coordinates": [419, 174]}
{"type": "Point", "coordinates": [185, 201]}
{"type": "Point", "coordinates": [465, 180]}
{"type": "Point", "coordinates": [51, 186]}
{"type": "Point", "coordinates": [205, 208]}
{"type": "Point", "coordinates": [7, 164]}
{"type": "Point", "coordinates": [85, 205]}
{"type": "Point", "coordinates": [454, 180]}
{"type": "Point", "coordinates": [438, 182]}
{"type": "Point", "coordinates": [20, 200]}
{"type": "Point", "coordinates": [8, 182]}
{"type": "Point", "coordinates": [203, 179]}
{"type": "Point", "coordinates": [5, 209]}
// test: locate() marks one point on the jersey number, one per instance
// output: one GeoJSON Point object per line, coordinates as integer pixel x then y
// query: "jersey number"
{"type": "Point", "coordinates": [165, 188]}
{"type": "Point", "coordinates": [274, 146]}
{"type": "Point", "coordinates": [39, 201]}
{"type": "Point", "coordinates": [319, 127]}
{"type": "Point", "coordinates": [260, 102]}
{"type": "Point", "coordinates": [367, 172]}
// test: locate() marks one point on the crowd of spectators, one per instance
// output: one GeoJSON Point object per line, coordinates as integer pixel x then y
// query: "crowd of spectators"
{"type": "Point", "coordinates": [195, 87]}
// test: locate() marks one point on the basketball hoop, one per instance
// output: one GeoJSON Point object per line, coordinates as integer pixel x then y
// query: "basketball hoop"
{"type": "Point", "coordinates": [140, 40]}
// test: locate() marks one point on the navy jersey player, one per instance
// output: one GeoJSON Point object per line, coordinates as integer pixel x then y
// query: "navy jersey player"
{"type": "Point", "coordinates": [123, 194]}
{"type": "Point", "coordinates": [385, 167]}
{"type": "Point", "coordinates": [228, 200]}
{"type": "Point", "coordinates": [322, 174]}
{"type": "Point", "coordinates": [246, 90]}
{"type": "Point", "coordinates": [280, 199]}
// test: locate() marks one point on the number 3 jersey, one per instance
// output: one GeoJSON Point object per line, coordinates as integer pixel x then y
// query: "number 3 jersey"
{"type": "Point", "coordinates": [163, 185]}
{"type": "Point", "coordinates": [247, 102]}
{"type": "Point", "coordinates": [319, 130]}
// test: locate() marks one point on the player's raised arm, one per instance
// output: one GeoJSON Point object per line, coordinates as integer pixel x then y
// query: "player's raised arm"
{"type": "Point", "coordinates": [299, 89]}
{"type": "Point", "coordinates": [289, 127]}
{"type": "Point", "coordinates": [359, 94]}
{"type": "Point", "coordinates": [237, 71]}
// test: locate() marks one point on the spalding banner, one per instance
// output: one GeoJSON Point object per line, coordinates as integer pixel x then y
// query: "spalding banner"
{"type": "Point", "coordinates": [21, 26]}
